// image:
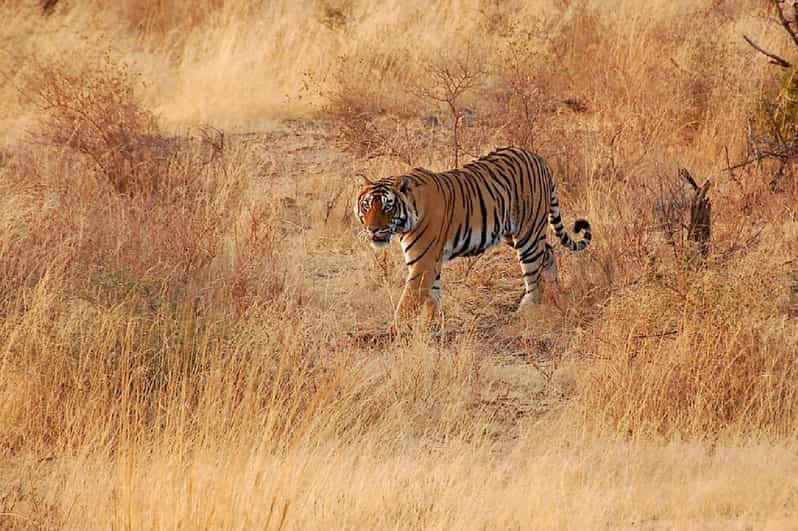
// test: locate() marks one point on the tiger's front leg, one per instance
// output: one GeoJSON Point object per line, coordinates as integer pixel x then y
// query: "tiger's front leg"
{"type": "Point", "coordinates": [422, 294]}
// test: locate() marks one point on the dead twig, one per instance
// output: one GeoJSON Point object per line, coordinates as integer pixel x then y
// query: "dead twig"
{"type": "Point", "coordinates": [659, 335]}
{"type": "Point", "coordinates": [729, 166]}
{"type": "Point", "coordinates": [699, 229]}
{"type": "Point", "coordinates": [774, 59]}
{"type": "Point", "coordinates": [449, 78]}
{"type": "Point", "coordinates": [786, 23]}
{"type": "Point", "coordinates": [48, 6]}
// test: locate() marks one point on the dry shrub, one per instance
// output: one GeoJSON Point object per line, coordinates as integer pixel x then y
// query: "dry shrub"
{"type": "Point", "coordinates": [410, 384]}
{"type": "Point", "coordinates": [414, 109]}
{"type": "Point", "coordinates": [91, 105]}
{"type": "Point", "coordinates": [167, 18]}
{"type": "Point", "coordinates": [143, 17]}
{"type": "Point", "coordinates": [161, 245]}
{"type": "Point", "coordinates": [425, 107]}
{"type": "Point", "coordinates": [694, 354]}
{"type": "Point", "coordinates": [25, 505]}
{"type": "Point", "coordinates": [152, 375]}
{"type": "Point", "coordinates": [371, 103]}
{"type": "Point", "coordinates": [41, 220]}
{"type": "Point", "coordinates": [670, 210]}
{"type": "Point", "coordinates": [552, 84]}
{"type": "Point", "coordinates": [525, 106]}
{"type": "Point", "coordinates": [119, 376]}
{"type": "Point", "coordinates": [154, 219]}
{"type": "Point", "coordinates": [773, 134]}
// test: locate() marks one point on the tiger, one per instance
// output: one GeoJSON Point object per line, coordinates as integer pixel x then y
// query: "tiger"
{"type": "Point", "coordinates": [505, 196]}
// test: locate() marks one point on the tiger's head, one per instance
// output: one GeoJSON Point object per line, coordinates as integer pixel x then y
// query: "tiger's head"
{"type": "Point", "coordinates": [384, 209]}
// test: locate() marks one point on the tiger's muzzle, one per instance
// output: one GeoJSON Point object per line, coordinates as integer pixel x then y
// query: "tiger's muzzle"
{"type": "Point", "coordinates": [380, 237]}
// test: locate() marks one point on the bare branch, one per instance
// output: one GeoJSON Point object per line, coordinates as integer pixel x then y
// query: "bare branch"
{"type": "Point", "coordinates": [684, 174]}
{"type": "Point", "coordinates": [447, 80]}
{"type": "Point", "coordinates": [775, 59]}
{"type": "Point", "coordinates": [729, 167]}
{"type": "Point", "coordinates": [784, 22]}
{"type": "Point", "coordinates": [743, 164]}
{"type": "Point", "coordinates": [48, 6]}
{"type": "Point", "coordinates": [752, 143]}
{"type": "Point", "coordinates": [699, 229]}
{"type": "Point", "coordinates": [795, 13]}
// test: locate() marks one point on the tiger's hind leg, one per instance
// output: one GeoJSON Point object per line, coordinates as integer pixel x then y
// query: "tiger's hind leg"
{"type": "Point", "coordinates": [549, 267]}
{"type": "Point", "coordinates": [532, 258]}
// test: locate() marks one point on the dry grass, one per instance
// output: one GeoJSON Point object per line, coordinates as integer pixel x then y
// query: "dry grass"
{"type": "Point", "coordinates": [192, 333]}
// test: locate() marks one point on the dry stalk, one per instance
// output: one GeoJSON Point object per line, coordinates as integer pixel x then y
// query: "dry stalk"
{"type": "Point", "coordinates": [700, 228]}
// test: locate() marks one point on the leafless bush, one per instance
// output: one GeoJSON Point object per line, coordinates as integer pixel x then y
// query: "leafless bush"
{"type": "Point", "coordinates": [670, 208]}
{"type": "Point", "coordinates": [446, 80]}
{"type": "Point", "coordinates": [526, 96]}
{"type": "Point", "coordinates": [684, 379]}
{"type": "Point", "coordinates": [388, 135]}
{"type": "Point", "coordinates": [334, 15]}
{"type": "Point", "coordinates": [775, 135]}
{"type": "Point", "coordinates": [683, 212]}
{"type": "Point", "coordinates": [373, 109]}
{"type": "Point", "coordinates": [93, 108]}
{"type": "Point", "coordinates": [257, 274]}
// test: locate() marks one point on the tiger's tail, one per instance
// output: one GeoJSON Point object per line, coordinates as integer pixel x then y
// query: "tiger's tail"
{"type": "Point", "coordinates": [556, 223]}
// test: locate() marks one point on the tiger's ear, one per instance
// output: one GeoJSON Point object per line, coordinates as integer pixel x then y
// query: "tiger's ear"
{"type": "Point", "coordinates": [365, 181]}
{"type": "Point", "coordinates": [404, 184]}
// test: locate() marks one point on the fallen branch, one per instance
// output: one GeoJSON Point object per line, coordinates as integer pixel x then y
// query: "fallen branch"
{"type": "Point", "coordinates": [744, 163]}
{"type": "Point", "coordinates": [659, 335]}
{"type": "Point", "coordinates": [774, 59]}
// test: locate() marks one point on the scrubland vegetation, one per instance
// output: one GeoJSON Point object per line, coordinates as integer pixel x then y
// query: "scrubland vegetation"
{"type": "Point", "coordinates": [193, 334]}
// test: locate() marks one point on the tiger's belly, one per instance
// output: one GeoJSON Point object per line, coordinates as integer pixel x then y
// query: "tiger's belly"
{"type": "Point", "coordinates": [471, 243]}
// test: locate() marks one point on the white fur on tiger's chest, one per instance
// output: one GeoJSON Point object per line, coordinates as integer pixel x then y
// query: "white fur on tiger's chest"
{"type": "Point", "coordinates": [447, 252]}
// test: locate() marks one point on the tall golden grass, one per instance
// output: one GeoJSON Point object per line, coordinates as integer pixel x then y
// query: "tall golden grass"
{"type": "Point", "coordinates": [192, 333]}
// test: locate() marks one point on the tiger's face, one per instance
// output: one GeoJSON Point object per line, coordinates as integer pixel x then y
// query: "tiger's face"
{"type": "Point", "coordinates": [382, 209]}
